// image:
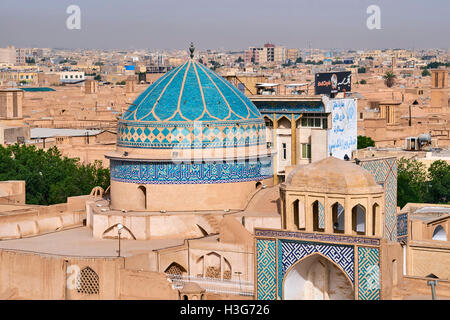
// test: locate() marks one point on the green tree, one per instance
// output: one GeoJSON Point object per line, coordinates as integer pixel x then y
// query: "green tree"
{"type": "Point", "coordinates": [363, 81]}
{"type": "Point", "coordinates": [426, 73]}
{"type": "Point", "coordinates": [299, 60]}
{"type": "Point", "coordinates": [411, 182]}
{"type": "Point", "coordinates": [438, 185]}
{"type": "Point", "coordinates": [98, 77]}
{"type": "Point", "coordinates": [389, 79]}
{"type": "Point", "coordinates": [362, 70]}
{"type": "Point", "coordinates": [50, 178]}
{"type": "Point", "coordinates": [364, 142]}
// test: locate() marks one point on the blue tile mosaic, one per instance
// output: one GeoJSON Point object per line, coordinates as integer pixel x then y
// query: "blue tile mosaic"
{"type": "Point", "coordinates": [190, 173]}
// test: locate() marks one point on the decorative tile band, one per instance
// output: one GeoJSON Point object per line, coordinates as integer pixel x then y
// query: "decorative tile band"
{"type": "Point", "coordinates": [318, 237]}
{"type": "Point", "coordinates": [385, 173]}
{"type": "Point", "coordinates": [368, 273]}
{"type": "Point", "coordinates": [266, 269]}
{"type": "Point", "coordinates": [190, 173]}
{"type": "Point", "coordinates": [195, 135]}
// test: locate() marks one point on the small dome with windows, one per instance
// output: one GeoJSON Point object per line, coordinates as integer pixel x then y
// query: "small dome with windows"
{"type": "Point", "coordinates": [333, 175]}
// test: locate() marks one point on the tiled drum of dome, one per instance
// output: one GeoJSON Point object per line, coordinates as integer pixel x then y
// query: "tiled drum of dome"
{"type": "Point", "coordinates": [190, 173]}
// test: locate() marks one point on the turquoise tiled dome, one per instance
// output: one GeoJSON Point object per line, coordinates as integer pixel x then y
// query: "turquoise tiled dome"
{"type": "Point", "coordinates": [191, 92]}
{"type": "Point", "coordinates": [191, 107]}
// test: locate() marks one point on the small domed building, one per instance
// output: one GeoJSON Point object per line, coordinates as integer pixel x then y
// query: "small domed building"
{"type": "Point", "coordinates": [333, 196]}
{"type": "Point", "coordinates": [331, 243]}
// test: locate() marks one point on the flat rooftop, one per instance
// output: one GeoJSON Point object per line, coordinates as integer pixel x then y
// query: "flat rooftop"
{"type": "Point", "coordinates": [79, 242]}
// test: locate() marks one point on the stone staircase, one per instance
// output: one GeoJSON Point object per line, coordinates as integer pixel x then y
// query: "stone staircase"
{"type": "Point", "coordinates": [213, 222]}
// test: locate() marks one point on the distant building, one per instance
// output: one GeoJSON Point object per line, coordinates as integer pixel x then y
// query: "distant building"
{"type": "Point", "coordinates": [71, 76]}
{"type": "Point", "coordinates": [8, 56]}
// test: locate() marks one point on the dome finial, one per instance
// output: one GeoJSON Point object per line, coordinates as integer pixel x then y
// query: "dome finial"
{"type": "Point", "coordinates": [191, 49]}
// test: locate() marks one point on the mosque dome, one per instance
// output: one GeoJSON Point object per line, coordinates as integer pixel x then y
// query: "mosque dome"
{"type": "Point", "coordinates": [191, 107]}
{"type": "Point", "coordinates": [190, 141]}
{"type": "Point", "coordinates": [333, 175]}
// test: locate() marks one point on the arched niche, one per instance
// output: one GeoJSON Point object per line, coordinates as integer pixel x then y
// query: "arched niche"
{"type": "Point", "coordinates": [142, 198]}
{"type": "Point", "coordinates": [376, 220]}
{"type": "Point", "coordinates": [338, 214]}
{"type": "Point", "coordinates": [213, 265]}
{"type": "Point", "coordinates": [359, 220]}
{"type": "Point", "coordinates": [284, 123]}
{"type": "Point", "coordinates": [316, 278]}
{"type": "Point", "coordinates": [298, 214]}
{"type": "Point", "coordinates": [439, 234]}
{"type": "Point", "coordinates": [318, 213]}
{"type": "Point", "coordinates": [175, 269]}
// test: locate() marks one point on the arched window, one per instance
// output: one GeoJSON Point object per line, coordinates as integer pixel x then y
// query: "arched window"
{"type": "Point", "coordinates": [212, 263]}
{"type": "Point", "coordinates": [175, 270]}
{"type": "Point", "coordinates": [226, 270]}
{"type": "Point", "coordinates": [87, 282]}
{"type": "Point", "coordinates": [318, 216]}
{"type": "Point", "coordinates": [268, 122]}
{"type": "Point", "coordinates": [142, 195]}
{"type": "Point", "coordinates": [284, 123]}
{"type": "Point", "coordinates": [295, 207]}
{"type": "Point", "coordinates": [338, 213]}
{"type": "Point", "coordinates": [298, 213]}
{"type": "Point", "coordinates": [439, 234]}
{"type": "Point", "coordinates": [376, 220]}
{"type": "Point", "coordinates": [359, 220]}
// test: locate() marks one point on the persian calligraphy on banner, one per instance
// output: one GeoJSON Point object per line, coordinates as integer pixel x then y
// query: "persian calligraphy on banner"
{"type": "Point", "coordinates": [342, 137]}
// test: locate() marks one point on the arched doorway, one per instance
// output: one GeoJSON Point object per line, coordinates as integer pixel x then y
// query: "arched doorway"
{"type": "Point", "coordinates": [316, 278]}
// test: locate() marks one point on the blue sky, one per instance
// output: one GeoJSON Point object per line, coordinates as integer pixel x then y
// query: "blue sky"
{"type": "Point", "coordinates": [229, 24]}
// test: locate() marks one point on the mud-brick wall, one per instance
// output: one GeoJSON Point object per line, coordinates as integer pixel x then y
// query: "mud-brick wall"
{"type": "Point", "coordinates": [32, 276]}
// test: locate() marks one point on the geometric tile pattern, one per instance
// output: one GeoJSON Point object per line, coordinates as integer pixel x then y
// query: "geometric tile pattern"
{"type": "Point", "coordinates": [402, 227]}
{"type": "Point", "coordinates": [368, 273]}
{"type": "Point", "coordinates": [190, 134]}
{"type": "Point", "coordinates": [311, 237]}
{"type": "Point", "coordinates": [385, 173]}
{"type": "Point", "coordinates": [289, 252]}
{"type": "Point", "coordinates": [266, 269]}
{"type": "Point", "coordinates": [190, 173]}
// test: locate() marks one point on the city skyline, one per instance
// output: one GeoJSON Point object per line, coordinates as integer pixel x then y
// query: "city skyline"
{"type": "Point", "coordinates": [233, 25]}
